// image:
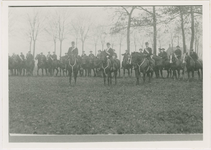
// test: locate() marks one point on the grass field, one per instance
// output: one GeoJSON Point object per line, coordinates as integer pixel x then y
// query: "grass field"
{"type": "Point", "coordinates": [48, 105]}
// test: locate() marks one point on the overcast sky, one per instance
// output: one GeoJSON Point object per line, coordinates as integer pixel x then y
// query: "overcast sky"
{"type": "Point", "coordinates": [18, 27]}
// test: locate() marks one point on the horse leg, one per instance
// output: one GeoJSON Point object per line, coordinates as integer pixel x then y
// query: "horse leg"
{"type": "Point", "coordinates": [198, 74]}
{"type": "Point", "coordinates": [70, 77]}
{"type": "Point", "coordinates": [144, 74]}
{"type": "Point", "coordinates": [75, 76]}
{"type": "Point", "coordinates": [123, 72]}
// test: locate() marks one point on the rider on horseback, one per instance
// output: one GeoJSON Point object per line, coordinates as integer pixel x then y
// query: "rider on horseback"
{"type": "Point", "coordinates": [91, 55]}
{"type": "Point", "coordinates": [22, 56]}
{"type": "Point", "coordinates": [148, 53]}
{"type": "Point", "coordinates": [193, 55]}
{"type": "Point", "coordinates": [54, 56]}
{"type": "Point", "coordinates": [49, 56]}
{"type": "Point", "coordinates": [163, 54]}
{"type": "Point", "coordinates": [29, 56]}
{"type": "Point", "coordinates": [73, 50]}
{"type": "Point", "coordinates": [178, 53]}
{"type": "Point", "coordinates": [110, 52]}
{"type": "Point", "coordinates": [99, 53]}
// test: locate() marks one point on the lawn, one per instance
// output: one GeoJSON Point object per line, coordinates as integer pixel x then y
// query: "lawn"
{"type": "Point", "coordinates": [48, 105]}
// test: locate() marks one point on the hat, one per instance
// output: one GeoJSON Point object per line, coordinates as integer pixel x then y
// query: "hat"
{"type": "Point", "coordinates": [162, 48]}
{"type": "Point", "coordinates": [108, 43]}
{"type": "Point", "coordinates": [146, 43]}
{"type": "Point", "coordinates": [48, 52]}
{"type": "Point", "coordinates": [140, 48]}
{"type": "Point", "coordinates": [177, 46]}
{"type": "Point", "coordinates": [73, 42]}
{"type": "Point", "coordinates": [90, 51]}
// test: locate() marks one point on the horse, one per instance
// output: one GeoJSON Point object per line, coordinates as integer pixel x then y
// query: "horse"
{"type": "Point", "coordinates": [29, 66]}
{"type": "Point", "coordinates": [176, 65]}
{"type": "Point", "coordinates": [49, 63]}
{"type": "Point", "coordinates": [84, 66]}
{"type": "Point", "coordinates": [42, 64]}
{"type": "Point", "coordinates": [107, 68]}
{"type": "Point", "coordinates": [73, 67]}
{"type": "Point", "coordinates": [126, 65]}
{"type": "Point", "coordinates": [97, 66]}
{"type": "Point", "coordinates": [55, 66]}
{"type": "Point", "coordinates": [63, 65]}
{"type": "Point", "coordinates": [90, 66]}
{"type": "Point", "coordinates": [141, 64]}
{"type": "Point", "coordinates": [193, 65]}
{"type": "Point", "coordinates": [158, 68]}
{"type": "Point", "coordinates": [16, 65]}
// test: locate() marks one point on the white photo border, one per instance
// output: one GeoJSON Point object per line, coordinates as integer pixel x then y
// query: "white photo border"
{"type": "Point", "coordinates": [205, 143]}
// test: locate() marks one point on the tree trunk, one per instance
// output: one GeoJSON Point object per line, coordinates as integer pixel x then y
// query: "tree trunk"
{"type": "Point", "coordinates": [154, 31]}
{"type": "Point", "coordinates": [30, 45]}
{"type": "Point", "coordinates": [182, 27]}
{"type": "Point", "coordinates": [120, 53]}
{"type": "Point", "coordinates": [54, 45]}
{"type": "Point", "coordinates": [128, 32]}
{"type": "Point", "coordinates": [192, 28]}
{"type": "Point", "coordinates": [95, 49]}
{"type": "Point", "coordinates": [82, 42]}
{"type": "Point", "coordinates": [60, 55]}
{"type": "Point", "coordinates": [34, 48]}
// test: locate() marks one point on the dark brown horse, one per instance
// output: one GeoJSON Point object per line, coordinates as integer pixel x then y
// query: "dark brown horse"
{"type": "Point", "coordinates": [42, 64]}
{"type": "Point", "coordinates": [127, 65]}
{"type": "Point", "coordinates": [141, 65]}
{"type": "Point", "coordinates": [193, 65]}
{"type": "Point", "coordinates": [73, 67]}
{"type": "Point", "coordinates": [176, 66]}
{"type": "Point", "coordinates": [107, 68]}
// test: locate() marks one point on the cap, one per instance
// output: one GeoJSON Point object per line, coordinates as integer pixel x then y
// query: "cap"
{"type": "Point", "coordinates": [108, 43]}
{"type": "Point", "coordinates": [146, 43]}
{"type": "Point", "coordinates": [73, 42]}
{"type": "Point", "coordinates": [177, 46]}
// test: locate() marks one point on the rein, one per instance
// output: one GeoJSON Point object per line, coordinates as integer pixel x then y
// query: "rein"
{"type": "Point", "coordinates": [72, 65]}
{"type": "Point", "coordinates": [104, 69]}
{"type": "Point", "coordinates": [139, 66]}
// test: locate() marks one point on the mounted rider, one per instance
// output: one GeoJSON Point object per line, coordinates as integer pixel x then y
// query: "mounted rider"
{"type": "Point", "coordinates": [73, 50]}
{"type": "Point", "coordinates": [163, 54]}
{"type": "Point", "coordinates": [29, 56]}
{"type": "Point", "coordinates": [54, 56]}
{"type": "Point", "coordinates": [178, 53]}
{"type": "Point", "coordinates": [99, 53]}
{"type": "Point", "coordinates": [148, 53]}
{"type": "Point", "coordinates": [91, 55]}
{"type": "Point", "coordinates": [110, 53]}
{"type": "Point", "coordinates": [22, 56]}
{"type": "Point", "coordinates": [127, 56]}
{"type": "Point", "coordinates": [193, 55]}
{"type": "Point", "coordinates": [83, 54]}
{"type": "Point", "coordinates": [49, 56]}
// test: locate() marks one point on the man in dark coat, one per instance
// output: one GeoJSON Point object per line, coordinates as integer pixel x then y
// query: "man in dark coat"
{"type": "Point", "coordinates": [22, 56]}
{"type": "Point", "coordinates": [73, 50]}
{"type": "Point", "coordinates": [178, 52]}
{"type": "Point", "coordinates": [110, 52]}
{"type": "Point", "coordinates": [29, 56]}
{"type": "Point", "coordinates": [54, 56]}
{"type": "Point", "coordinates": [91, 55]}
{"type": "Point", "coordinates": [98, 54]}
{"type": "Point", "coordinates": [193, 55]}
{"type": "Point", "coordinates": [83, 54]}
{"type": "Point", "coordinates": [148, 53]}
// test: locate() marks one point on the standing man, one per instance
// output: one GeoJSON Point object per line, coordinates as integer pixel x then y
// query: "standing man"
{"type": "Point", "coordinates": [73, 50]}
{"type": "Point", "coordinates": [178, 52]}
{"type": "Point", "coordinates": [54, 56]}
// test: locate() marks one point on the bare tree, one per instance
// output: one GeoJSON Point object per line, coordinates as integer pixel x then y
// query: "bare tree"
{"type": "Point", "coordinates": [82, 25]}
{"type": "Point", "coordinates": [34, 21]}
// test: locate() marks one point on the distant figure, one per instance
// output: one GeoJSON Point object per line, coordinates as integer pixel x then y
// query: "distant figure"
{"type": "Point", "coordinates": [110, 52]}
{"type": "Point", "coordinates": [193, 55]}
{"type": "Point", "coordinates": [126, 53]}
{"type": "Point", "coordinates": [178, 52]}
{"type": "Point", "coordinates": [98, 54]}
{"type": "Point", "coordinates": [29, 56]}
{"type": "Point", "coordinates": [54, 56]}
{"type": "Point", "coordinates": [163, 54]}
{"type": "Point", "coordinates": [140, 50]}
{"type": "Point", "coordinates": [91, 55]}
{"type": "Point", "coordinates": [22, 56]}
{"type": "Point", "coordinates": [49, 56]}
{"type": "Point", "coordinates": [83, 54]}
{"type": "Point", "coordinates": [73, 50]}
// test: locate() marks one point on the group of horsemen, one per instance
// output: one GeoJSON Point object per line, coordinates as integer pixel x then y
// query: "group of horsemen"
{"type": "Point", "coordinates": [111, 55]}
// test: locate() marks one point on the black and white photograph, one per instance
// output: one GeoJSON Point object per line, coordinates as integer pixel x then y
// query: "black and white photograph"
{"type": "Point", "coordinates": [105, 70]}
